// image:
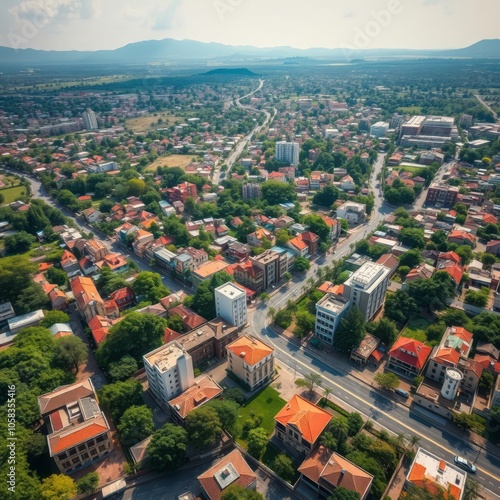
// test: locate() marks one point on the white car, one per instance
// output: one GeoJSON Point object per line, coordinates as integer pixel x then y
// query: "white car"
{"type": "Point", "coordinates": [465, 464]}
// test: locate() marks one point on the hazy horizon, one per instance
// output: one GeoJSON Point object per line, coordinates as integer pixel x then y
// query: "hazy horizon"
{"type": "Point", "coordinates": [367, 24]}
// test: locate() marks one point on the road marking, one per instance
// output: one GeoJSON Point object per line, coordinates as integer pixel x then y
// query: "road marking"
{"type": "Point", "coordinates": [355, 396]}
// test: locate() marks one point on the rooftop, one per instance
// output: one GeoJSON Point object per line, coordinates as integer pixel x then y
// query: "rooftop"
{"type": "Point", "coordinates": [250, 349]}
{"type": "Point", "coordinates": [367, 275]}
{"type": "Point", "coordinates": [367, 346]}
{"type": "Point", "coordinates": [209, 268]}
{"type": "Point", "coordinates": [231, 291]}
{"type": "Point", "coordinates": [333, 303]}
{"type": "Point", "coordinates": [165, 357]}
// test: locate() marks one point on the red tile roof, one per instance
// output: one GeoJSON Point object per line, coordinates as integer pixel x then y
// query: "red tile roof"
{"type": "Point", "coordinates": [410, 351]}
{"type": "Point", "coordinates": [63, 441]}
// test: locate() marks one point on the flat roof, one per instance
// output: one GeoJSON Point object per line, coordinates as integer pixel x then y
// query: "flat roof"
{"type": "Point", "coordinates": [333, 303]}
{"type": "Point", "coordinates": [367, 274]}
{"type": "Point", "coordinates": [230, 291]}
{"type": "Point", "coordinates": [165, 357]}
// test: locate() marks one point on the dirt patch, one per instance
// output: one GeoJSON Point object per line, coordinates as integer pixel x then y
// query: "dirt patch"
{"type": "Point", "coordinates": [181, 161]}
{"type": "Point", "coordinates": [150, 122]}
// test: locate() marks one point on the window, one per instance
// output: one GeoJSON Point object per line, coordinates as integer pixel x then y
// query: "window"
{"type": "Point", "coordinates": [100, 439]}
{"type": "Point", "coordinates": [72, 451]}
{"type": "Point", "coordinates": [82, 447]}
{"type": "Point", "coordinates": [62, 456]}
{"type": "Point", "coordinates": [93, 452]}
{"type": "Point", "coordinates": [102, 447]}
{"type": "Point", "coordinates": [76, 461]}
{"type": "Point", "coordinates": [85, 456]}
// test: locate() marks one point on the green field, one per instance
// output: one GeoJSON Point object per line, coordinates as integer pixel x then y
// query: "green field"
{"type": "Point", "coordinates": [413, 170]}
{"type": "Point", "coordinates": [411, 109]}
{"type": "Point", "coordinates": [416, 329]}
{"type": "Point", "coordinates": [13, 193]}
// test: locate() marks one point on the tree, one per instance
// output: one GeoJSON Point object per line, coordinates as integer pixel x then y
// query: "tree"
{"type": "Point", "coordinates": [282, 237]}
{"type": "Point", "coordinates": [318, 226]}
{"type": "Point", "coordinates": [414, 238]}
{"type": "Point", "coordinates": [283, 318]}
{"type": "Point", "coordinates": [411, 258]}
{"type": "Point", "coordinates": [339, 427]}
{"type": "Point", "coordinates": [31, 298]}
{"type": "Point", "coordinates": [120, 396]}
{"type": "Point", "coordinates": [234, 394]}
{"type": "Point", "coordinates": [302, 264]}
{"type": "Point", "coordinates": [149, 285]}
{"type": "Point", "coordinates": [341, 493]}
{"type": "Point", "coordinates": [305, 322]}
{"type": "Point", "coordinates": [264, 296]}
{"type": "Point", "coordinates": [53, 317]}
{"type": "Point", "coordinates": [488, 260]}
{"type": "Point", "coordinates": [455, 317]}
{"type": "Point", "coordinates": [388, 380]}
{"type": "Point", "coordinates": [310, 381]}
{"type": "Point", "coordinates": [435, 332]}
{"type": "Point", "coordinates": [123, 369]}
{"type": "Point", "coordinates": [326, 197]}
{"type": "Point", "coordinates": [88, 483]}
{"type": "Point", "coordinates": [328, 440]}
{"type": "Point", "coordinates": [287, 276]}
{"type": "Point", "coordinates": [486, 382]}
{"type": "Point", "coordinates": [19, 243]}
{"type": "Point", "coordinates": [342, 277]}
{"type": "Point", "coordinates": [495, 414]}
{"type": "Point", "coordinates": [278, 192]}
{"type": "Point", "coordinates": [472, 489]}
{"type": "Point", "coordinates": [57, 276]}
{"type": "Point", "coordinates": [203, 427]}
{"type": "Point", "coordinates": [351, 331]}
{"type": "Point", "coordinates": [58, 487]}
{"type": "Point", "coordinates": [136, 187]}
{"type": "Point", "coordinates": [478, 299]}
{"type": "Point", "coordinates": [136, 424]}
{"type": "Point", "coordinates": [36, 218]}
{"type": "Point", "coordinates": [465, 254]}
{"type": "Point", "coordinates": [384, 329]}
{"type": "Point", "coordinates": [463, 421]}
{"type": "Point", "coordinates": [228, 413]}
{"type": "Point", "coordinates": [354, 422]}
{"type": "Point", "coordinates": [237, 492]}
{"type": "Point", "coordinates": [136, 335]}
{"type": "Point", "coordinates": [283, 466]}
{"type": "Point", "coordinates": [167, 448]}
{"type": "Point", "coordinates": [70, 352]}
{"type": "Point", "coordinates": [257, 442]}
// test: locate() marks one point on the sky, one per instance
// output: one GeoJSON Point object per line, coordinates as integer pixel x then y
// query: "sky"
{"type": "Point", "coordinates": [109, 24]}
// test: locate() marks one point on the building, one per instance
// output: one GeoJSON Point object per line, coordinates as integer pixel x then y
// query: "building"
{"type": "Point", "coordinates": [413, 126]}
{"type": "Point", "coordinates": [78, 432]}
{"type": "Point", "coordinates": [408, 357]}
{"type": "Point", "coordinates": [190, 319]}
{"type": "Point", "coordinates": [329, 312]}
{"type": "Point", "coordinates": [181, 192]}
{"type": "Point", "coordinates": [90, 120]}
{"type": "Point", "coordinates": [441, 196]}
{"type": "Point", "coordinates": [6, 312]}
{"type": "Point", "coordinates": [437, 476]}
{"type": "Point", "coordinates": [87, 298]}
{"type": "Point", "coordinates": [323, 471]}
{"type": "Point", "coordinates": [251, 191]}
{"type": "Point", "coordinates": [231, 469]}
{"type": "Point", "coordinates": [256, 239]}
{"type": "Point", "coordinates": [251, 360]}
{"type": "Point", "coordinates": [207, 270]}
{"type": "Point", "coordinates": [96, 250]}
{"type": "Point", "coordinates": [274, 265]}
{"type": "Point", "coordinates": [353, 213]}
{"type": "Point", "coordinates": [250, 276]}
{"type": "Point", "coordinates": [300, 423]}
{"type": "Point", "coordinates": [19, 323]}
{"type": "Point", "coordinates": [231, 304]}
{"type": "Point", "coordinates": [438, 126]}
{"type": "Point", "coordinates": [169, 370]}
{"type": "Point", "coordinates": [124, 297]}
{"type": "Point", "coordinates": [203, 391]}
{"type": "Point", "coordinates": [366, 288]}
{"type": "Point", "coordinates": [288, 152]}
{"type": "Point", "coordinates": [379, 129]}
{"type": "Point", "coordinates": [365, 350]}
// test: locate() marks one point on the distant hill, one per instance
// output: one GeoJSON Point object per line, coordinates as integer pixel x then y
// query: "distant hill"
{"type": "Point", "coordinates": [174, 51]}
{"type": "Point", "coordinates": [231, 72]}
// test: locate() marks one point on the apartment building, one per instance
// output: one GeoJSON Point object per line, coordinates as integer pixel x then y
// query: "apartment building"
{"type": "Point", "coordinates": [231, 304]}
{"type": "Point", "coordinates": [441, 196]}
{"type": "Point", "coordinates": [89, 120]}
{"type": "Point", "coordinates": [366, 288]}
{"type": "Point", "coordinates": [353, 213]}
{"type": "Point", "coordinates": [273, 265]}
{"type": "Point", "coordinates": [251, 191]}
{"type": "Point", "coordinates": [169, 370]}
{"type": "Point", "coordinates": [379, 129]}
{"type": "Point", "coordinates": [288, 152]}
{"type": "Point", "coordinates": [78, 432]}
{"type": "Point", "coordinates": [251, 360]}
{"type": "Point", "coordinates": [329, 312]}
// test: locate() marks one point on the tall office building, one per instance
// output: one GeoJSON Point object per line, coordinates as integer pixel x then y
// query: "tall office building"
{"type": "Point", "coordinates": [288, 152]}
{"type": "Point", "coordinates": [231, 304]}
{"type": "Point", "coordinates": [169, 370]}
{"type": "Point", "coordinates": [366, 288]}
{"type": "Point", "coordinates": [329, 312]}
{"type": "Point", "coordinates": [90, 120]}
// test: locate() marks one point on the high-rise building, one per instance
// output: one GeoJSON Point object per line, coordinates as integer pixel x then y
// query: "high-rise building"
{"type": "Point", "coordinates": [288, 152]}
{"type": "Point", "coordinates": [273, 264]}
{"type": "Point", "coordinates": [169, 370]}
{"type": "Point", "coordinates": [250, 191]}
{"type": "Point", "coordinates": [379, 129]}
{"type": "Point", "coordinates": [329, 311]}
{"type": "Point", "coordinates": [231, 304]}
{"type": "Point", "coordinates": [90, 120]}
{"type": "Point", "coordinates": [366, 288]}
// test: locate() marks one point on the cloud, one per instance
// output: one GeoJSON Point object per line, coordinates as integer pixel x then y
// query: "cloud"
{"type": "Point", "coordinates": [163, 19]}
{"type": "Point", "coordinates": [49, 11]}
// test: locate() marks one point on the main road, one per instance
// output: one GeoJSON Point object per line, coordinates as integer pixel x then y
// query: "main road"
{"type": "Point", "coordinates": [361, 397]}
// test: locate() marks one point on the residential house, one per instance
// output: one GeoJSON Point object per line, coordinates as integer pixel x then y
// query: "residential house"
{"type": "Point", "coordinates": [238, 252]}
{"type": "Point", "coordinates": [142, 238]}
{"type": "Point", "coordinates": [207, 270]}
{"type": "Point", "coordinates": [92, 215]}
{"type": "Point", "coordinates": [124, 297]}
{"type": "Point", "coordinates": [347, 183]}
{"type": "Point", "coordinates": [88, 301]}
{"type": "Point", "coordinates": [190, 320]}
{"type": "Point", "coordinates": [353, 213]}
{"type": "Point", "coordinates": [256, 239]}
{"type": "Point", "coordinates": [250, 276]}
{"type": "Point", "coordinates": [69, 264]}
{"type": "Point", "coordinates": [462, 238]}
{"type": "Point", "coordinates": [95, 249]}
{"type": "Point", "coordinates": [390, 261]}
{"type": "Point", "coordinates": [408, 357]}
{"type": "Point", "coordinates": [58, 300]}
{"type": "Point", "coordinates": [300, 423]}
{"type": "Point", "coordinates": [493, 247]}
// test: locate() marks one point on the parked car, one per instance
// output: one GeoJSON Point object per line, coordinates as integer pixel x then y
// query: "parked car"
{"type": "Point", "coordinates": [465, 464]}
{"type": "Point", "coordinates": [402, 393]}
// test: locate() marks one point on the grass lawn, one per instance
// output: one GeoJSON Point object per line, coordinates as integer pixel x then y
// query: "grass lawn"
{"type": "Point", "coordinates": [416, 329]}
{"type": "Point", "coordinates": [143, 123]}
{"type": "Point", "coordinates": [181, 161]}
{"type": "Point", "coordinates": [13, 193]}
{"type": "Point", "coordinates": [266, 403]}
{"type": "Point", "coordinates": [410, 109]}
{"type": "Point", "coordinates": [406, 168]}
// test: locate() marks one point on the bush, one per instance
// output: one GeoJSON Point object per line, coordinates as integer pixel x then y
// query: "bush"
{"type": "Point", "coordinates": [283, 319]}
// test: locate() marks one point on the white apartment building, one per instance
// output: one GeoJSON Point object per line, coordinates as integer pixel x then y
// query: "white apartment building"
{"type": "Point", "coordinates": [379, 129]}
{"type": "Point", "coordinates": [90, 120]}
{"type": "Point", "coordinates": [366, 288]}
{"type": "Point", "coordinates": [169, 370]}
{"type": "Point", "coordinates": [231, 304]}
{"type": "Point", "coordinates": [353, 213]}
{"type": "Point", "coordinates": [288, 152]}
{"type": "Point", "coordinates": [329, 311]}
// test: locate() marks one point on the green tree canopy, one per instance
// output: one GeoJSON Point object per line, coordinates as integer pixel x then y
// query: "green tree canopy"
{"type": "Point", "coordinates": [70, 352]}
{"type": "Point", "coordinates": [351, 331]}
{"type": "Point", "coordinates": [387, 380]}
{"type": "Point", "coordinates": [120, 396]}
{"type": "Point", "coordinates": [53, 317]}
{"type": "Point", "coordinates": [149, 286]}
{"type": "Point", "coordinates": [203, 426]}
{"type": "Point", "coordinates": [58, 487]}
{"type": "Point", "coordinates": [340, 493]}
{"type": "Point", "coordinates": [257, 442]}
{"type": "Point", "coordinates": [167, 449]}
{"type": "Point", "coordinates": [136, 424]}
{"type": "Point", "coordinates": [237, 492]}
{"type": "Point", "coordinates": [123, 369]}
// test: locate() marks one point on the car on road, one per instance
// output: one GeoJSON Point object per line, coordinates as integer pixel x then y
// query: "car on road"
{"type": "Point", "coordinates": [465, 464]}
{"type": "Point", "coordinates": [402, 393]}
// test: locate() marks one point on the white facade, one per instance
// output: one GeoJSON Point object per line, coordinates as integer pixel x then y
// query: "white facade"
{"type": "Point", "coordinates": [288, 151]}
{"type": "Point", "coordinates": [231, 304]}
{"type": "Point", "coordinates": [90, 120]}
{"type": "Point", "coordinates": [329, 311]}
{"type": "Point", "coordinates": [353, 213]}
{"type": "Point", "coordinates": [169, 370]}
{"type": "Point", "coordinates": [379, 129]}
{"type": "Point", "coordinates": [452, 381]}
{"type": "Point", "coordinates": [366, 288]}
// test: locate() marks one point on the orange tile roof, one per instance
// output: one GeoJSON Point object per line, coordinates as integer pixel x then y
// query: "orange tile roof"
{"type": "Point", "coordinates": [84, 291]}
{"type": "Point", "coordinates": [298, 243]}
{"type": "Point", "coordinates": [63, 441]}
{"type": "Point", "coordinates": [453, 256]}
{"type": "Point", "coordinates": [203, 391]}
{"type": "Point", "coordinates": [462, 235]}
{"type": "Point", "coordinates": [329, 287]}
{"type": "Point", "coordinates": [447, 355]}
{"type": "Point", "coordinates": [418, 477]}
{"type": "Point", "coordinates": [64, 395]}
{"type": "Point", "coordinates": [310, 420]}
{"type": "Point", "coordinates": [209, 268]}
{"type": "Point", "coordinates": [250, 349]}
{"type": "Point", "coordinates": [44, 266]}
{"type": "Point", "coordinates": [404, 346]}
{"type": "Point", "coordinates": [454, 270]}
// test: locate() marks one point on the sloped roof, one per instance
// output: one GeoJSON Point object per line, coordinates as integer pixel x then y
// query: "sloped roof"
{"type": "Point", "coordinates": [410, 351]}
{"type": "Point", "coordinates": [250, 349]}
{"type": "Point", "coordinates": [200, 393]}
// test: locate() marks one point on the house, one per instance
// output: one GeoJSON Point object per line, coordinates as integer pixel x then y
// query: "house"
{"type": "Point", "coordinates": [251, 360]}
{"type": "Point", "coordinates": [173, 300]}
{"type": "Point", "coordinates": [298, 246]}
{"type": "Point", "coordinates": [78, 432]}
{"type": "Point", "coordinates": [238, 252]}
{"type": "Point", "coordinates": [142, 238]}
{"type": "Point", "coordinates": [300, 423]}
{"type": "Point", "coordinates": [365, 350]}
{"type": "Point", "coordinates": [88, 301]}
{"type": "Point", "coordinates": [69, 263]}
{"type": "Point", "coordinates": [95, 249]}
{"type": "Point", "coordinates": [390, 261]}
{"type": "Point", "coordinates": [27, 320]}
{"type": "Point", "coordinates": [436, 476]}
{"type": "Point", "coordinates": [256, 239]}
{"type": "Point", "coordinates": [114, 261]}
{"type": "Point", "coordinates": [99, 327]}
{"type": "Point", "coordinates": [124, 297]}
{"type": "Point", "coordinates": [424, 271]}
{"type": "Point", "coordinates": [462, 238]}
{"type": "Point", "coordinates": [58, 300]}
{"type": "Point", "coordinates": [229, 470]}
{"type": "Point", "coordinates": [347, 183]}
{"type": "Point", "coordinates": [334, 226]}
{"type": "Point", "coordinates": [493, 247]}
{"type": "Point", "coordinates": [92, 215]}
{"type": "Point", "coordinates": [353, 213]}
{"type": "Point", "coordinates": [323, 471]}
{"type": "Point", "coordinates": [207, 270]}
{"type": "Point", "coordinates": [250, 276]}
{"type": "Point", "coordinates": [59, 330]}
{"type": "Point", "coordinates": [312, 242]}
{"type": "Point", "coordinates": [190, 320]}
{"type": "Point", "coordinates": [408, 357]}
{"type": "Point", "coordinates": [203, 391]}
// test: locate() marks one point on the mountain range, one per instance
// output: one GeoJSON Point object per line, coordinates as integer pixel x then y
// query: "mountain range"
{"type": "Point", "coordinates": [177, 51]}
